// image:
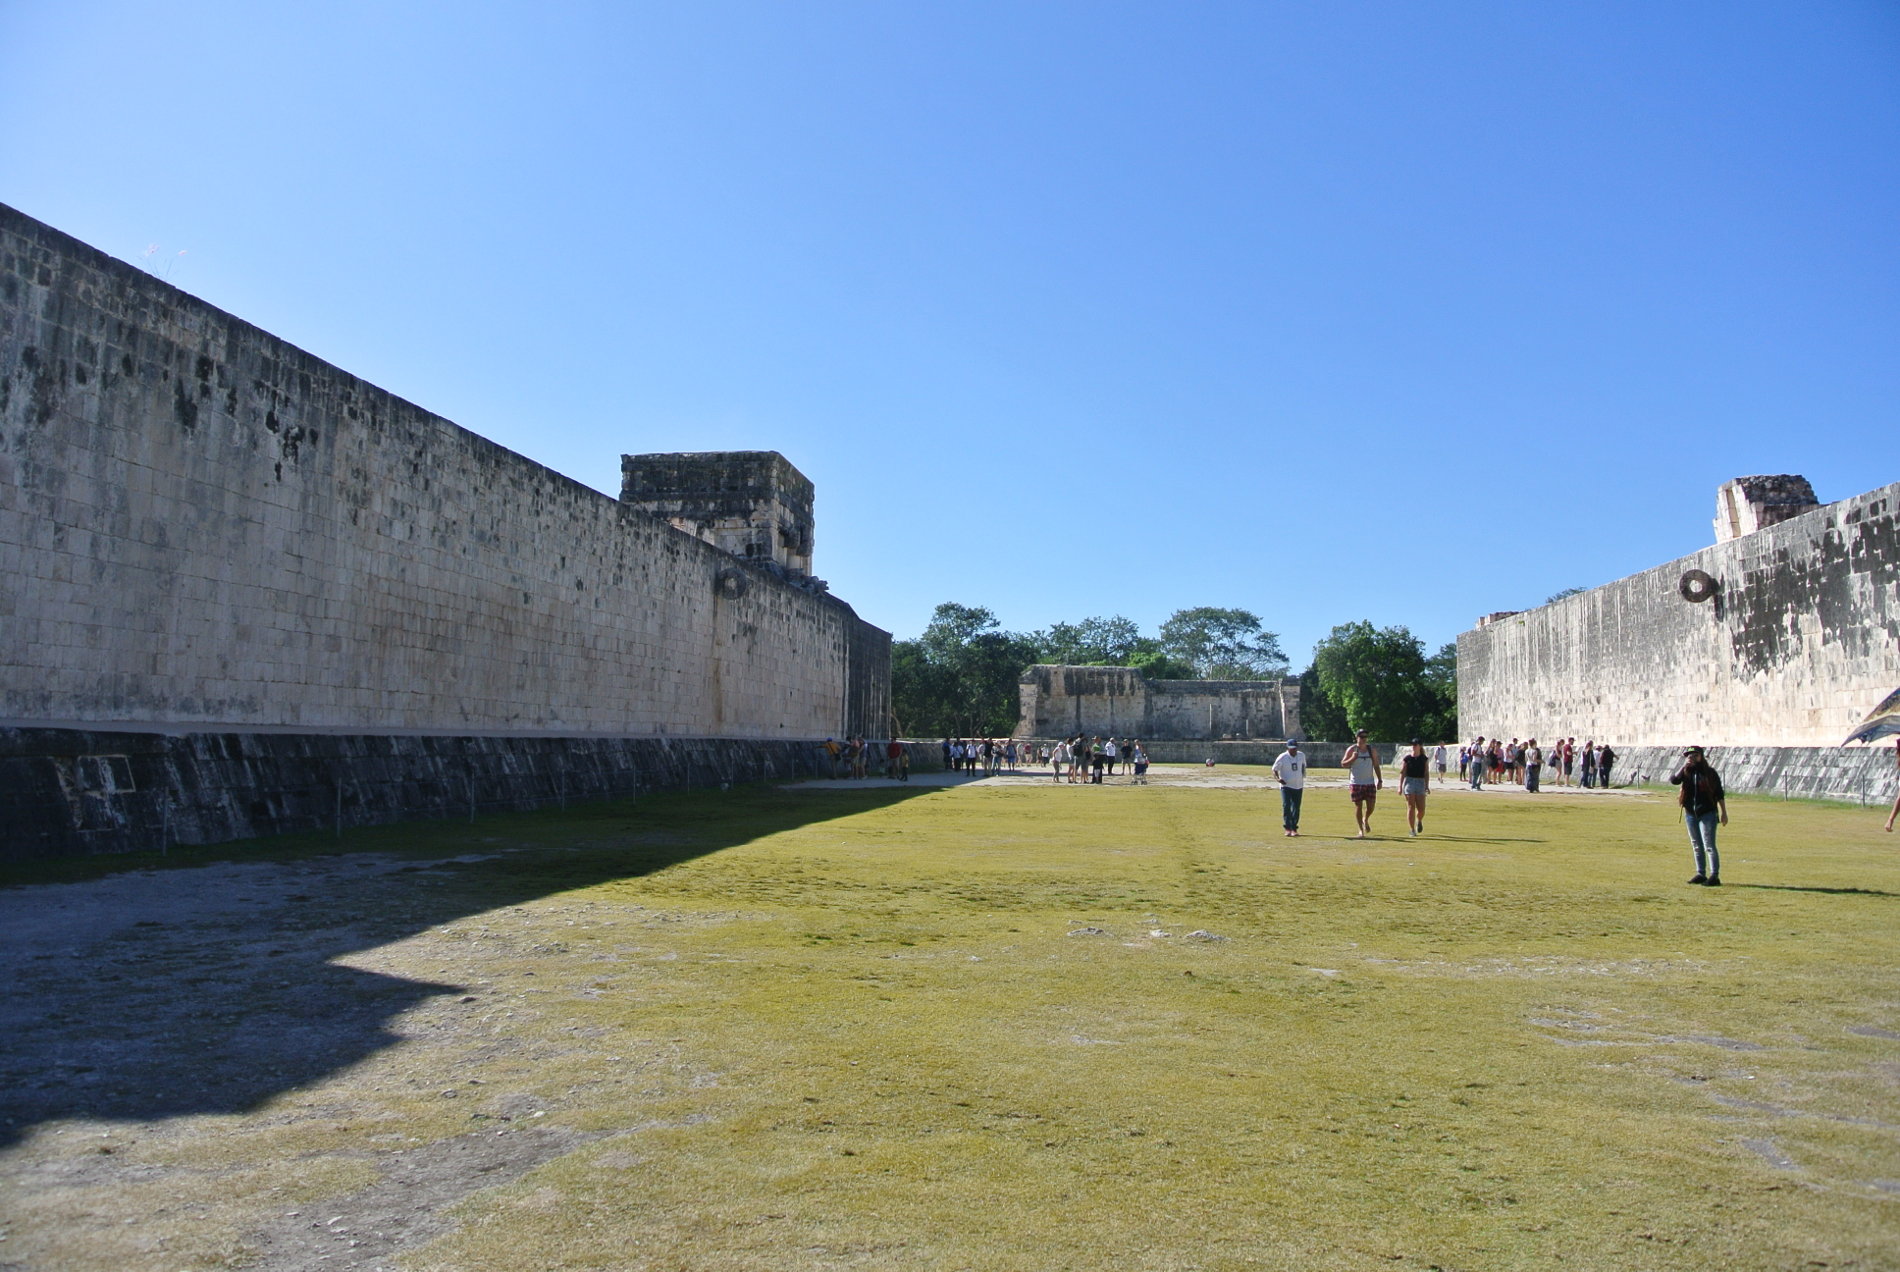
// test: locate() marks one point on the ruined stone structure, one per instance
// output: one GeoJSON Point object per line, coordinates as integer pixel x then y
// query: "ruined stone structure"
{"type": "Point", "coordinates": [1781, 636]}
{"type": "Point", "coordinates": [206, 531]}
{"type": "Point", "coordinates": [1748, 504]}
{"type": "Point", "coordinates": [749, 503]}
{"type": "Point", "coordinates": [1120, 702]}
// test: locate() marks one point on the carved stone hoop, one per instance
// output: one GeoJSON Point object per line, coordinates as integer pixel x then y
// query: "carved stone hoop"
{"type": "Point", "coordinates": [730, 583]}
{"type": "Point", "coordinates": [1697, 586]}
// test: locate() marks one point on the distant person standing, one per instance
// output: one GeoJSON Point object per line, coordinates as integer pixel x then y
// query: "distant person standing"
{"type": "Point", "coordinates": [1139, 758]}
{"type": "Point", "coordinates": [1438, 759]}
{"type": "Point", "coordinates": [1704, 807]}
{"type": "Point", "coordinates": [1414, 784]}
{"type": "Point", "coordinates": [1098, 756]}
{"type": "Point", "coordinates": [1290, 768]}
{"type": "Point", "coordinates": [1364, 779]}
{"type": "Point", "coordinates": [1477, 763]}
{"type": "Point", "coordinates": [897, 760]}
{"type": "Point", "coordinates": [1110, 753]}
{"type": "Point", "coordinates": [1589, 764]}
{"type": "Point", "coordinates": [1533, 765]}
{"type": "Point", "coordinates": [1605, 758]}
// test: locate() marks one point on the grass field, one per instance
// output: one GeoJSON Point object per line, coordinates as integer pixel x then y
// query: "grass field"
{"type": "Point", "coordinates": [1001, 1026]}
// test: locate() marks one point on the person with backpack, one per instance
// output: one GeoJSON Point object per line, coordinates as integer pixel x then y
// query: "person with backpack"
{"type": "Point", "coordinates": [1704, 807]}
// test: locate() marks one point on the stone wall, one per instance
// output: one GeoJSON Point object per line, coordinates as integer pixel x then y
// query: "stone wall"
{"type": "Point", "coordinates": [204, 527]}
{"type": "Point", "coordinates": [1784, 637]}
{"type": "Point", "coordinates": [1120, 702]}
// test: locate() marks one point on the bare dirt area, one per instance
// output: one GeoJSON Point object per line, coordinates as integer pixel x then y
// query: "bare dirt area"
{"type": "Point", "coordinates": [222, 1066]}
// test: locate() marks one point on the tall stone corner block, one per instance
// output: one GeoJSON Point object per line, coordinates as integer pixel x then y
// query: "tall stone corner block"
{"type": "Point", "coordinates": [752, 504]}
{"type": "Point", "coordinates": [1747, 504]}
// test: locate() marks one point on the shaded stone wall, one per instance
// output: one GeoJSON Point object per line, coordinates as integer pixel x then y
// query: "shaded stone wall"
{"type": "Point", "coordinates": [1059, 701]}
{"type": "Point", "coordinates": [203, 526]}
{"type": "Point", "coordinates": [1785, 637]}
{"type": "Point", "coordinates": [77, 792]}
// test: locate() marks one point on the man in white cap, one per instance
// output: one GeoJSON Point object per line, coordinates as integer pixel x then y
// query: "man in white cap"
{"type": "Point", "coordinates": [1290, 768]}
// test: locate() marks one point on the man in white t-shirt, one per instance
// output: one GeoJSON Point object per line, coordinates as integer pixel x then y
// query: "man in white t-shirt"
{"type": "Point", "coordinates": [1290, 768]}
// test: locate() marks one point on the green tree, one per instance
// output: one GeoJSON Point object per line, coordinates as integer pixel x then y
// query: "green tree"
{"type": "Point", "coordinates": [961, 676]}
{"type": "Point", "coordinates": [1104, 641]}
{"type": "Point", "coordinates": [1558, 596]}
{"type": "Point", "coordinates": [921, 694]}
{"type": "Point", "coordinates": [1156, 665]}
{"type": "Point", "coordinates": [1223, 644]}
{"type": "Point", "coordinates": [1321, 719]}
{"type": "Point", "coordinates": [1440, 721]}
{"type": "Point", "coordinates": [1381, 679]}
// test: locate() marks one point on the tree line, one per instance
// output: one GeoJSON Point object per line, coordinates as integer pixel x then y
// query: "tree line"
{"type": "Point", "coordinates": [960, 678]}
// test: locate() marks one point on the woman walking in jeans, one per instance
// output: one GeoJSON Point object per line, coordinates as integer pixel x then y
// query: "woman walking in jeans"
{"type": "Point", "coordinates": [1703, 808]}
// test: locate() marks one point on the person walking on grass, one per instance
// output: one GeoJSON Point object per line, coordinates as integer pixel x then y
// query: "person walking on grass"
{"type": "Point", "coordinates": [1704, 807]}
{"type": "Point", "coordinates": [1415, 783]}
{"type": "Point", "coordinates": [1290, 768]}
{"type": "Point", "coordinates": [1364, 778]}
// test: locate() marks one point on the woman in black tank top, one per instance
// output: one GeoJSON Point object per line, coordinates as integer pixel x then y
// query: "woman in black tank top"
{"type": "Point", "coordinates": [1414, 781]}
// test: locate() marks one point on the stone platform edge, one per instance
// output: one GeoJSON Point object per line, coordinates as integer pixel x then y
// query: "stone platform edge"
{"type": "Point", "coordinates": [79, 792]}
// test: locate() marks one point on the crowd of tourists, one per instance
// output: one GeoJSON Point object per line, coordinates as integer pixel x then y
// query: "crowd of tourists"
{"type": "Point", "coordinates": [1529, 765]}
{"type": "Point", "coordinates": [1083, 758]}
{"type": "Point", "coordinates": [984, 755]}
{"type": "Point", "coordinates": [1075, 760]}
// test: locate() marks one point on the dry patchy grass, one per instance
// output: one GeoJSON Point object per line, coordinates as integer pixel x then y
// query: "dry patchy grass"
{"type": "Point", "coordinates": [1020, 1026]}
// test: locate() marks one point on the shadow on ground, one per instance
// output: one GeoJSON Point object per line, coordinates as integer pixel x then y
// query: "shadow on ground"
{"type": "Point", "coordinates": [1795, 887]}
{"type": "Point", "coordinates": [209, 986]}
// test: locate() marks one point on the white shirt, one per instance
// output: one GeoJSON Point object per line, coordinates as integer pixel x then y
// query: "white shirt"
{"type": "Point", "coordinates": [1290, 768]}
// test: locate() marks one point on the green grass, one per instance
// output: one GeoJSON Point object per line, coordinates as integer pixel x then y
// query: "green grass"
{"type": "Point", "coordinates": [855, 1030]}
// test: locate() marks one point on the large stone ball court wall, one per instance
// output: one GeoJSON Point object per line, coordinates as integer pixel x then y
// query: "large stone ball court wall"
{"type": "Point", "coordinates": [1785, 637]}
{"type": "Point", "coordinates": [204, 529]}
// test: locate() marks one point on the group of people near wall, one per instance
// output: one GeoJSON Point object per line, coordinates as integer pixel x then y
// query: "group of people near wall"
{"type": "Point", "coordinates": [1529, 765]}
{"type": "Point", "coordinates": [852, 758]}
{"type": "Point", "coordinates": [982, 755]}
{"type": "Point", "coordinates": [1086, 759]}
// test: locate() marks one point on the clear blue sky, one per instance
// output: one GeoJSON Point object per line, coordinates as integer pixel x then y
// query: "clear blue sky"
{"type": "Point", "coordinates": [1067, 308]}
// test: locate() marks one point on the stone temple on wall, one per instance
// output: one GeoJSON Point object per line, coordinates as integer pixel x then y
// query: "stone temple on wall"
{"type": "Point", "coordinates": [1060, 701]}
{"type": "Point", "coordinates": [1770, 646]}
{"type": "Point", "coordinates": [248, 592]}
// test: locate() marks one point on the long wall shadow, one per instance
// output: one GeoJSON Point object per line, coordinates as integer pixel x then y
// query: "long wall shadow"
{"type": "Point", "coordinates": [150, 994]}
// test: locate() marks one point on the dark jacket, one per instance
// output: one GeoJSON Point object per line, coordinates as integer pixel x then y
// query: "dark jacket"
{"type": "Point", "coordinates": [1701, 788]}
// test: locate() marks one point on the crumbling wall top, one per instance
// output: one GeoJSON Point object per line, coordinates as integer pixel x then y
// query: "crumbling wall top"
{"type": "Point", "coordinates": [753, 504]}
{"type": "Point", "coordinates": [1747, 504]}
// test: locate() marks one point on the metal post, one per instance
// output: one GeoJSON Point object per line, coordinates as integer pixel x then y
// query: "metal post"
{"type": "Point", "coordinates": [470, 780]}
{"type": "Point", "coordinates": [339, 810]}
